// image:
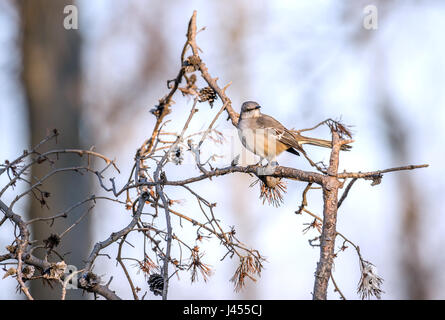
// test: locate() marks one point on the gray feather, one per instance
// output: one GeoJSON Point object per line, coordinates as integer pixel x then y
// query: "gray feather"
{"type": "Point", "coordinates": [285, 136]}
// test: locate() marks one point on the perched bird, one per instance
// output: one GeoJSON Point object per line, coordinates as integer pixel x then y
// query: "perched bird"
{"type": "Point", "coordinates": [267, 138]}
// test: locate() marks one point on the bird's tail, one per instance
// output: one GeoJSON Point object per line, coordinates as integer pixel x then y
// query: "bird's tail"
{"type": "Point", "coordinates": [320, 143]}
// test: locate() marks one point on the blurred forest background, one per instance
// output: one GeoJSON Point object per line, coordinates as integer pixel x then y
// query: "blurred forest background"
{"type": "Point", "coordinates": [303, 61]}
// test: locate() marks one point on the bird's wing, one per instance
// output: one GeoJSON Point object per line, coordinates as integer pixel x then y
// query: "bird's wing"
{"type": "Point", "coordinates": [283, 135]}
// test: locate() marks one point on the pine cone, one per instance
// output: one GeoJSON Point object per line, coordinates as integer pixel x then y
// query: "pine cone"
{"type": "Point", "coordinates": [207, 94]}
{"type": "Point", "coordinates": [191, 64]}
{"type": "Point", "coordinates": [156, 283]}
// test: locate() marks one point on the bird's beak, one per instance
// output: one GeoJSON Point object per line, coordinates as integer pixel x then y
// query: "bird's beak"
{"type": "Point", "coordinates": [257, 107]}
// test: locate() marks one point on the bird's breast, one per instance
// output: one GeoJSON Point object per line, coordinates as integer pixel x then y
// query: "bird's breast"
{"type": "Point", "coordinates": [260, 141]}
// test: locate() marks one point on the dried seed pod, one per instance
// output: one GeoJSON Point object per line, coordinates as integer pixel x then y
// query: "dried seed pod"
{"type": "Point", "coordinates": [370, 282]}
{"type": "Point", "coordinates": [272, 189]}
{"type": "Point", "coordinates": [189, 68]}
{"type": "Point", "coordinates": [55, 271]}
{"type": "Point", "coordinates": [190, 88]}
{"type": "Point", "coordinates": [176, 155]}
{"type": "Point", "coordinates": [52, 241]}
{"type": "Point", "coordinates": [28, 272]}
{"type": "Point", "coordinates": [207, 94]}
{"type": "Point", "coordinates": [191, 80]}
{"type": "Point", "coordinates": [270, 182]}
{"type": "Point", "coordinates": [89, 280]}
{"type": "Point", "coordinates": [11, 248]}
{"type": "Point", "coordinates": [194, 60]}
{"type": "Point", "coordinates": [10, 272]}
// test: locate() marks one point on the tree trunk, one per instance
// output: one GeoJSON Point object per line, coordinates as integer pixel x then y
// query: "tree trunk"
{"type": "Point", "coordinates": [51, 78]}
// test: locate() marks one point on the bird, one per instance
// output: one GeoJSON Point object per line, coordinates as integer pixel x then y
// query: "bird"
{"type": "Point", "coordinates": [267, 137]}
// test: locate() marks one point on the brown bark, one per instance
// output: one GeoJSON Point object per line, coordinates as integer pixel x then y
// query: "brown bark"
{"type": "Point", "coordinates": [327, 243]}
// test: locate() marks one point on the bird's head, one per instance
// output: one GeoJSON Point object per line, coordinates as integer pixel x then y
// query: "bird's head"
{"type": "Point", "coordinates": [250, 109]}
